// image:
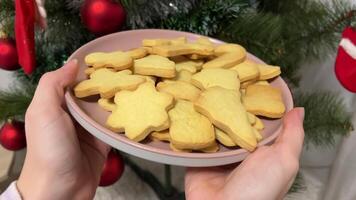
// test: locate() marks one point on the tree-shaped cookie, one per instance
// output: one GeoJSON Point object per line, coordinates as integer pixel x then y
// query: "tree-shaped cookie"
{"type": "Point", "coordinates": [264, 100]}
{"type": "Point", "coordinates": [189, 129]}
{"type": "Point", "coordinates": [224, 78]}
{"type": "Point", "coordinates": [107, 82]}
{"type": "Point", "coordinates": [224, 109]}
{"type": "Point", "coordinates": [140, 112]}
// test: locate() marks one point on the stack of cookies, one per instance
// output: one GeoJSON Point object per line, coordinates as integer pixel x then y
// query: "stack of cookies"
{"type": "Point", "coordinates": [192, 95]}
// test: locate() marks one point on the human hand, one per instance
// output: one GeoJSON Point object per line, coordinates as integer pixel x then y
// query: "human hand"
{"type": "Point", "coordinates": [267, 173]}
{"type": "Point", "coordinates": [62, 161]}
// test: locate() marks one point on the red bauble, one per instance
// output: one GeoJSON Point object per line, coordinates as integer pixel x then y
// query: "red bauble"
{"type": "Point", "coordinates": [8, 54]}
{"type": "Point", "coordinates": [102, 16]}
{"type": "Point", "coordinates": [345, 65]}
{"type": "Point", "coordinates": [12, 135]}
{"type": "Point", "coordinates": [113, 169]}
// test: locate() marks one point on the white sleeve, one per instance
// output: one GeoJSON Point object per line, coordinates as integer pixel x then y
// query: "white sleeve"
{"type": "Point", "coordinates": [11, 193]}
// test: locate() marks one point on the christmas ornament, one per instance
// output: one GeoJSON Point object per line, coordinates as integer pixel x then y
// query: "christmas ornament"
{"type": "Point", "coordinates": [8, 54]}
{"type": "Point", "coordinates": [12, 135]}
{"type": "Point", "coordinates": [24, 31]}
{"type": "Point", "coordinates": [345, 65]}
{"type": "Point", "coordinates": [102, 16]}
{"type": "Point", "coordinates": [113, 169]}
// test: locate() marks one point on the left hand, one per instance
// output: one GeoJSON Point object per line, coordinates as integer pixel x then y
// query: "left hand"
{"type": "Point", "coordinates": [63, 161]}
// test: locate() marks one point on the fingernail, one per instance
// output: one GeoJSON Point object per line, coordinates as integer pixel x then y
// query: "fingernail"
{"type": "Point", "coordinates": [301, 113]}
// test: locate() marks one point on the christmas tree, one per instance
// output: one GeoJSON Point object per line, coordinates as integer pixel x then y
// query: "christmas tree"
{"type": "Point", "coordinates": [283, 33]}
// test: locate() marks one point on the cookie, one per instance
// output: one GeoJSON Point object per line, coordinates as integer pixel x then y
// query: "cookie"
{"type": "Point", "coordinates": [183, 63]}
{"type": "Point", "coordinates": [156, 66]}
{"type": "Point", "coordinates": [155, 42]}
{"type": "Point", "coordinates": [247, 70]}
{"type": "Point", "coordinates": [183, 75]}
{"type": "Point", "coordinates": [107, 82]}
{"type": "Point", "coordinates": [258, 124]}
{"type": "Point", "coordinates": [245, 84]}
{"type": "Point", "coordinates": [140, 112]}
{"type": "Point", "coordinates": [160, 136]}
{"type": "Point", "coordinates": [107, 104]}
{"type": "Point", "coordinates": [226, 60]}
{"type": "Point", "coordinates": [230, 48]}
{"type": "Point", "coordinates": [264, 100]}
{"type": "Point", "coordinates": [228, 55]}
{"type": "Point", "coordinates": [210, 149]}
{"type": "Point", "coordinates": [257, 134]}
{"type": "Point", "coordinates": [183, 49]}
{"type": "Point", "coordinates": [203, 41]}
{"type": "Point", "coordinates": [89, 70]}
{"type": "Point", "coordinates": [225, 110]}
{"type": "Point", "coordinates": [251, 118]}
{"type": "Point", "coordinates": [137, 53]}
{"type": "Point", "coordinates": [178, 41]}
{"type": "Point", "coordinates": [174, 148]}
{"type": "Point", "coordinates": [268, 71]}
{"type": "Point", "coordinates": [261, 83]}
{"type": "Point", "coordinates": [189, 129]}
{"type": "Point", "coordinates": [224, 78]}
{"type": "Point", "coordinates": [179, 89]}
{"type": "Point", "coordinates": [148, 49]}
{"type": "Point", "coordinates": [117, 60]}
{"type": "Point", "coordinates": [150, 79]}
{"type": "Point", "coordinates": [224, 138]}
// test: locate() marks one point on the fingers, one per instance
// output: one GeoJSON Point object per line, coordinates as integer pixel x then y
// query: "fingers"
{"type": "Point", "coordinates": [50, 90]}
{"type": "Point", "coordinates": [292, 137]}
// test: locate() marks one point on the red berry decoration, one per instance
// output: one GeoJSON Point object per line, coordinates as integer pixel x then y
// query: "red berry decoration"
{"type": "Point", "coordinates": [8, 54]}
{"type": "Point", "coordinates": [113, 169]}
{"type": "Point", "coordinates": [12, 135]}
{"type": "Point", "coordinates": [345, 65]}
{"type": "Point", "coordinates": [102, 16]}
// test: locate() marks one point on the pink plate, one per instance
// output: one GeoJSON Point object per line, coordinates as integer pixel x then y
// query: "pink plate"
{"type": "Point", "coordinates": [92, 117]}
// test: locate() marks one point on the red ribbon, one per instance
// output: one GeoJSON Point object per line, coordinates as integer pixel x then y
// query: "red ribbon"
{"type": "Point", "coordinates": [25, 34]}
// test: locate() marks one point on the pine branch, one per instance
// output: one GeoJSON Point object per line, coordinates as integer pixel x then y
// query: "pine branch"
{"type": "Point", "coordinates": [325, 117]}
{"type": "Point", "coordinates": [291, 32]}
{"type": "Point", "coordinates": [144, 13]}
{"type": "Point", "coordinates": [207, 18]}
{"type": "Point", "coordinates": [298, 184]}
{"type": "Point", "coordinates": [15, 100]}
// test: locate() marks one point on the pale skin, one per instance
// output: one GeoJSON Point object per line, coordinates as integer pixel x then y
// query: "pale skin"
{"type": "Point", "coordinates": [64, 162]}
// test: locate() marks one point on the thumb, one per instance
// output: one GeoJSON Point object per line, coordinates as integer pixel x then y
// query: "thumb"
{"type": "Point", "coordinates": [292, 137]}
{"type": "Point", "coordinates": [52, 84]}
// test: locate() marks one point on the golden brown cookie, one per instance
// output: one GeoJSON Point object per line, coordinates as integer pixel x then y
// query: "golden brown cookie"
{"type": "Point", "coordinates": [264, 100]}
{"type": "Point", "coordinates": [106, 83]}
{"type": "Point", "coordinates": [224, 108]}
{"type": "Point", "coordinates": [140, 112]}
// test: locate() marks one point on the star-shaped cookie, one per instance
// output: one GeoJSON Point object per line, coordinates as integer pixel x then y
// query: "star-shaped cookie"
{"type": "Point", "coordinates": [140, 112]}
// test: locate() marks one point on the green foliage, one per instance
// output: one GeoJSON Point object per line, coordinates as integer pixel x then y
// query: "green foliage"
{"type": "Point", "coordinates": [15, 100]}
{"type": "Point", "coordinates": [298, 184]}
{"type": "Point", "coordinates": [145, 13]}
{"type": "Point", "coordinates": [7, 16]}
{"type": "Point", "coordinates": [325, 117]}
{"type": "Point", "coordinates": [208, 17]}
{"type": "Point", "coordinates": [287, 33]}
